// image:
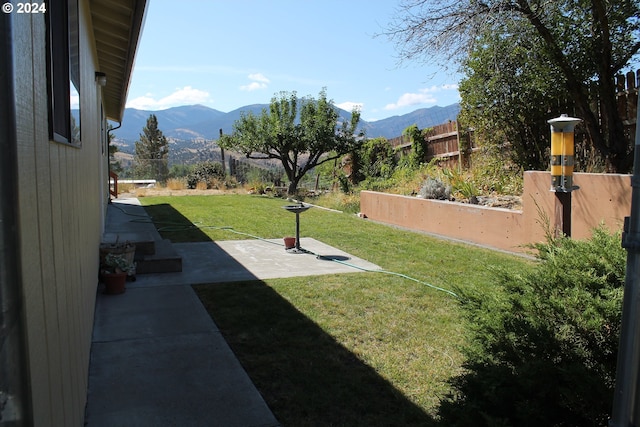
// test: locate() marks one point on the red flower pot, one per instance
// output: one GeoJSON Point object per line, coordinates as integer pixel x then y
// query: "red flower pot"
{"type": "Point", "coordinates": [114, 283]}
{"type": "Point", "coordinates": [289, 242]}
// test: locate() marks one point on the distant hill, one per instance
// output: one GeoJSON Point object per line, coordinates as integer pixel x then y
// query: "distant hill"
{"type": "Point", "coordinates": [200, 122]}
{"type": "Point", "coordinates": [423, 118]}
{"type": "Point", "coordinates": [193, 130]}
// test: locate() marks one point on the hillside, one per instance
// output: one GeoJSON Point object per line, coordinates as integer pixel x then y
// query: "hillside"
{"type": "Point", "coordinates": [197, 121]}
{"type": "Point", "coordinates": [193, 130]}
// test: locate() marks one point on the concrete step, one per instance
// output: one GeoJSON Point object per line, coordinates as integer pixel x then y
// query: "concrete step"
{"type": "Point", "coordinates": [165, 259]}
{"type": "Point", "coordinates": [145, 241]}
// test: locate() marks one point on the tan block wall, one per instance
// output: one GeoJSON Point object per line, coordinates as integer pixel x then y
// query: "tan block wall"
{"type": "Point", "coordinates": [602, 198]}
{"type": "Point", "coordinates": [60, 207]}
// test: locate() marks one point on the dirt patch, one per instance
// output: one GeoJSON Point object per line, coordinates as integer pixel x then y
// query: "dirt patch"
{"type": "Point", "coordinates": [505, 202]}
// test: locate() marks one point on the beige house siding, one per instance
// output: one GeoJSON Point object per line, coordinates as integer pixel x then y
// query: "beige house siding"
{"type": "Point", "coordinates": [62, 194]}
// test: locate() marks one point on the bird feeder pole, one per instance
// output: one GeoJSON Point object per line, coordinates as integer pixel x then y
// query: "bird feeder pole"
{"type": "Point", "coordinates": [562, 162]}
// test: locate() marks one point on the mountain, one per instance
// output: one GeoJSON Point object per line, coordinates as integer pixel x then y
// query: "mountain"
{"type": "Point", "coordinates": [199, 122]}
{"type": "Point", "coordinates": [193, 130]}
{"type": "Point", "coordinates": [425, 117]}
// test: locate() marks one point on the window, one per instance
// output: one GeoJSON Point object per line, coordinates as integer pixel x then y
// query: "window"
{"type": "Point", "coordinates": [63, 71]}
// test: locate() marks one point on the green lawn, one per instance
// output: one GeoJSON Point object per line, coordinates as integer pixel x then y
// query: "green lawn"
{"type": "Point", "coordinates": [346, 349]}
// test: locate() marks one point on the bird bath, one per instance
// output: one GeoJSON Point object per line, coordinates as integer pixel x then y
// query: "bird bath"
{"type": "Point", "coordinates": [297, 209]}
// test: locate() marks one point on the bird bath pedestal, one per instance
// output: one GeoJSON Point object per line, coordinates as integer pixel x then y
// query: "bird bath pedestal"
{"type": "Point", "coordinates": [297, 209]}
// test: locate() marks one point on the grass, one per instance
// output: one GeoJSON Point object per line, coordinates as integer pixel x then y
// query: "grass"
{"type": "Point", "coordinates": [346, 349]}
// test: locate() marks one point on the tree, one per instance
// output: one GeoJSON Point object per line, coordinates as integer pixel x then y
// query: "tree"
{"type": "Point", "coordinates": [114, 165]}
{"type": "Point", "coordinates": [586, 42]}
{"type": "Point", "coordinates": [300, 138]}
{"type": "Point", "coordinates": [152, 151]}
{"type": "Point", "coordinates": [509, 92]}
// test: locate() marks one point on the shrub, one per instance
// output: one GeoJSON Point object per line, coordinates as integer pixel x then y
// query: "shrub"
{"type": "Point", "coordinates": [433, 188]}
{"type": "Point", "coordinates": [205, 172]}
{"type": "Point", "coordinates": [544, 353]}
{"type": "Point", "coordinates": [349, 203]}
{"type": "Point", "coordinates": [460, 184]}
{"type": "Point", "coordinates": [176, 184]}
{"type": "Point", "coordinates": [376, 159]}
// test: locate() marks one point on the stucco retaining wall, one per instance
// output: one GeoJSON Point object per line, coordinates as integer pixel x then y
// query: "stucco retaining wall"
{"type": "Point", "coordinates": [601, 198]}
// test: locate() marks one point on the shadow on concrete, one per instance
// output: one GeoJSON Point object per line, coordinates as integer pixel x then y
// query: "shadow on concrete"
{"type": "Point", "coordinates": [172, 225]}
{"type": "Point", "coordinates": [306, 377]}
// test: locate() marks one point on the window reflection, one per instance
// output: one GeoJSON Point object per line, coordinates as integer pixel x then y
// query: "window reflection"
{"type": "Point", "coordinates": [74, 73]}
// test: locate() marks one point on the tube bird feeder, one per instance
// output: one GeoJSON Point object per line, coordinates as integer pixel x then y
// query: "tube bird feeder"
{"type": "Point", "coordinates": [562, 163]}
{"type": "Point", "coordinates": [562, 152]}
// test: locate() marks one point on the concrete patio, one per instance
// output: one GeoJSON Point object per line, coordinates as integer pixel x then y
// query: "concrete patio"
{"type": "Point", "coordinates": [157, 358]}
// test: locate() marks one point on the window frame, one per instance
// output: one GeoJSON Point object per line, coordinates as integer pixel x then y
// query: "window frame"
{"type": "Point", "coordinates": [63, 70]}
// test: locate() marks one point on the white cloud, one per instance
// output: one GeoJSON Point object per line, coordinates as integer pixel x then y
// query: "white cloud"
{"type": "Point", "coordinates": [182, 96]}
{"type": "Point", "coordinates": [258, 78]}
{"type": "Point", "coordinates": [258, 81]}
{"type": "Point", "coordinates": [409, 99]}
{"type": "Point", "coordinates": [349, 106]}
{"type": "Point", "coordinates": [423, 96]}
{"type": "Point", "coordinates": [253, 86]}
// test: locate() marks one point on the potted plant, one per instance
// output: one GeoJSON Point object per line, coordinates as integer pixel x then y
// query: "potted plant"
{"type": "Point", "coordinates": [127, 249]}
{"type": "Point", "coordinates": [114, 272]}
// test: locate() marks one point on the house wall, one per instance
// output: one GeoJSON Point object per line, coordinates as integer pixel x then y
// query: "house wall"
{"type": "Point", "coordinates": [61, 200]}
{"type": "Point", "coordinates": [601, 198]}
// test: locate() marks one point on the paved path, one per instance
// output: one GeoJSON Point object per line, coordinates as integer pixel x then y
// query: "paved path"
{"type": "Point", "coordinates": [157, 358]}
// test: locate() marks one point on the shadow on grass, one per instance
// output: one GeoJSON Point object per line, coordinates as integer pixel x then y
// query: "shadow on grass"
{"type": "Point", "coordinates": [305, 376]}
{"type": "Point", "coordinates": [174, 226]}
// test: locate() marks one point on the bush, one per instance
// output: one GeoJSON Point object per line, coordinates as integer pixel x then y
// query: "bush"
{"type": "Point", "coordinates": [206, 173]}
{"type": "Point", "coordinates": [176, 183]}
{"type": "Point", "coordinates": [435, 189]}
{"type": "Point", "coordinates": [376, 159]}
{"type": "Point", "coordinates": [544, 353]}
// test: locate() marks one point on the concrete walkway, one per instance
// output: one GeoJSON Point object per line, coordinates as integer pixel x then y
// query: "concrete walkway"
{"type": "Point", "coordinates": [157, 358]}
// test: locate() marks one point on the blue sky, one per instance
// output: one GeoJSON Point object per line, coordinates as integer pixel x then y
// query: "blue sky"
{"type": "Point", "coordinates": [229, 53]}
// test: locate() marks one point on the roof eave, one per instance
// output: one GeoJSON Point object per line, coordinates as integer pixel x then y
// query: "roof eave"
{"type": "Point", "coordinates": [117, 28]}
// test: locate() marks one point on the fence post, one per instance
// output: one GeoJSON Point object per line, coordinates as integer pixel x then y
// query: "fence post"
{"type": "Point", "coordinates": [224, 167]}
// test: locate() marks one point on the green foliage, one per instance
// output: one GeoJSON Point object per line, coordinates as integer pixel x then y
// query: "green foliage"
{"type": "Point", "coordinates": [544, 354]}
{"type": "Point", "coordinates": [527, 61]}
{"type": "Point", "coordinates": [180, 170]}
{"type": "Point", "coordinates": [301, 138]}
{"type": "Point", "coordinates": [460, 183]}
{"type": "Point", "coordinates": [206, 172]}
{"type": "Point", "coordinates": [489, 103]}
{"type": "Point", "coordinates": [376, 159]}
{"type": "Point", "coordinates": [152, 152]}
{"type": "Point", "coordinates": [418, 150]}
{"type": "Point", "coordinates": [494, 172]}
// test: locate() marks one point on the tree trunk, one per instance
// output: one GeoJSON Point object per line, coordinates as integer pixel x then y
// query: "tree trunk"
{"type": "Point", "coordinates": [293, 187]}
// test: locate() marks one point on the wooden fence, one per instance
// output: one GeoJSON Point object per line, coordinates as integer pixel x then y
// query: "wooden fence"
{"type": "Point", "coordinates": [627, 97]}
{"type": "Point", "coordinates": [443, 141]}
